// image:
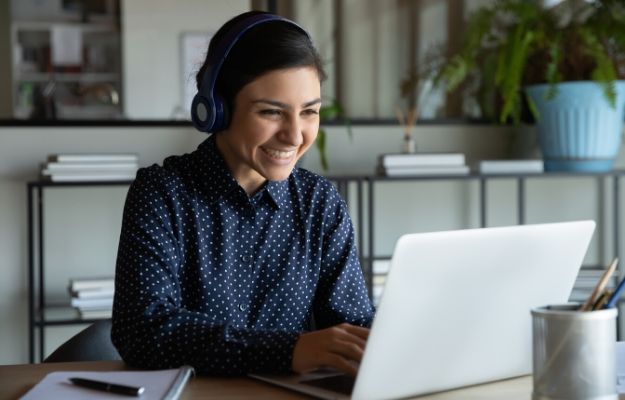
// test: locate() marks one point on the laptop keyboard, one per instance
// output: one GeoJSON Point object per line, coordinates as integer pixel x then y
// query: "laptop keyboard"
{"type": "Point", "coordinates": [338, 383]}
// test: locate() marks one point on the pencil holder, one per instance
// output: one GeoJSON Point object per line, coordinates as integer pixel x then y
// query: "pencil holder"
{"type": "Point", "coordinates": [574, 353]}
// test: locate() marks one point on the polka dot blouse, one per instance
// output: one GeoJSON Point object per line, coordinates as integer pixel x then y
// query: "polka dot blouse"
{"type": "Point", "coordinates": [210, 277]}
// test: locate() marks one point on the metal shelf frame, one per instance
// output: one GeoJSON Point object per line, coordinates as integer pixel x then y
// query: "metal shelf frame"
{"type": "Point", "coordinates": [37, 319]}
{"type": "Point", "coordinates": [364, 216]}
{"type": "Point", "coordinates": [368, 184]}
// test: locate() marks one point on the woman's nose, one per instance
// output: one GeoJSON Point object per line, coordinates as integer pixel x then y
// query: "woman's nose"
{"type": "Point", "coordinates": [291, 131]}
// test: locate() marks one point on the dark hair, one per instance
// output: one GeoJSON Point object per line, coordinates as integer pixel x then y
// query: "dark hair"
{"type": "Point", "coordinates": [264, 48]}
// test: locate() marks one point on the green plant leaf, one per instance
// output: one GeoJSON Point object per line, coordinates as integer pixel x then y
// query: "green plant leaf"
{"type": "Point", "coordinates": [321, 146]}
{"type": "Point", "coordinates": [511, 43]}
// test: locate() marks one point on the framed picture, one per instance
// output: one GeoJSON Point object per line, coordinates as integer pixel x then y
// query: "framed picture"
{"type": "Point", "coordinates": [194, 46]}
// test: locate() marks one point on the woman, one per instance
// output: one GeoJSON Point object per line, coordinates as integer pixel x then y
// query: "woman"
{"type": "Point", "coordinates": [226, 254]}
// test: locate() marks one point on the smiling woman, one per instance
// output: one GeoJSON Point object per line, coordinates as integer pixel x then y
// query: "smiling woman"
{"type": "Point", "coordinates": [228, 254]}
{"type": "Point", "coordinates": [275, 120]}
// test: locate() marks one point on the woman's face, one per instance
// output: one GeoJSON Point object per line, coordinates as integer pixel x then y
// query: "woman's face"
{"type": "Point", "coordinates": [275, 120]}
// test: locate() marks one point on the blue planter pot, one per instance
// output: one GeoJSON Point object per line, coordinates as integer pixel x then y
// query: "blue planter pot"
{"type": "Point", "coordinates": [578, 130]}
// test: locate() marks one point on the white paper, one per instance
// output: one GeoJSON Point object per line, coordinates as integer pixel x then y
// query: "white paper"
{"type": "Point", "coordinates": [56, 385]}
{"type": "Point", "coordinates": [66, 45]}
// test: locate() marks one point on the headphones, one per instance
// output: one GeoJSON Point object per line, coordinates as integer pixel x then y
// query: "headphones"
{"type": "Point", "coordinates": [209, 112]}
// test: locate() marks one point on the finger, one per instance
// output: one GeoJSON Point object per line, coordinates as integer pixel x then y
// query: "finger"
{"type": "Point", "coordinates": [356, 330]}
{"type": "Point", "coordinates": [349, 338]}
{"type": "Point", "coordinates": [348, 350]}
{"type": "Point", "coordinates": [340, 363]}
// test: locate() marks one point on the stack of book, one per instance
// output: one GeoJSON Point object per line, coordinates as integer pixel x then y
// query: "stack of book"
{"type": "Point", "coordinates": [90, 167]}
{"type": "Point", "coordinates": [495, 167]}
{"type": "Point", "coordinates": [419, 164]}
{"type": "Point", "coordinates": [380, 272]}
{"type": "Point", "coordinates": [587, 279]}
{"type": "Point", "coordinates": [92, 297]}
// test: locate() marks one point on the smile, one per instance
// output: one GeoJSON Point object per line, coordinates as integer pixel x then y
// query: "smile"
{"type": "Point", "coordinates": [279, 154]}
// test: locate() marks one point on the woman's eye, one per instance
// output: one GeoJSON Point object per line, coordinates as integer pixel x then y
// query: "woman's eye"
{"type": "Point", "coordinates": [270, 112]}
{"type": "Point", "coordinates": [310, 111]}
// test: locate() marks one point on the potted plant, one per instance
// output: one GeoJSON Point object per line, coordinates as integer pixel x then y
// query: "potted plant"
{"type": "Point", "coordinates": [329, 112]}
{"type": "Point", "coordinates": [559, 60]}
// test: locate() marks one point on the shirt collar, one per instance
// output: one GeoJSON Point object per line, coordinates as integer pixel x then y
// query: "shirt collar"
{"type": "Point", "coordinates": [220, 181]}
{"type": "Point", "coordinates": [277, 191]}
{"type": "Point", "coordinates": [214, 173]}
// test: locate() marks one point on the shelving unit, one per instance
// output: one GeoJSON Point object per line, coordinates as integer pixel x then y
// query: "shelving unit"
{"type": "Point", "coordinates": [359, 192]}
{"type": "Point", "coordinates": [40, 313]}
{"type": "Point", "coordinates": [365, 215]}
{"type": "Point", "coordinates": [88, 89]}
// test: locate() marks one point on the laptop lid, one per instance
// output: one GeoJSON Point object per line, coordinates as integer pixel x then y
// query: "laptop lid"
{"type": "Point", "coordinates": [456, 307]}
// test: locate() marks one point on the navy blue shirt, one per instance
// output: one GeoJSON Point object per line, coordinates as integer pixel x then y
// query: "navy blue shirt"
{"type": "Point", "coordinates": [210, 277]}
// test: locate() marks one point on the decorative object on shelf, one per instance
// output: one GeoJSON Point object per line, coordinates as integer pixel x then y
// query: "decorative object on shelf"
{"type": "Point", "coordinates": [407, 122]}
{"type": "Point", "coordinates": [90, 167]}
{"type": "Point", "coordinates": [514, 44]}
{"type": "Point", "coordinates": [578, 129]}
{"type": "Point", "coordinates": [66, 68]}
{"type": "Point", "coordinates": [420, 164]}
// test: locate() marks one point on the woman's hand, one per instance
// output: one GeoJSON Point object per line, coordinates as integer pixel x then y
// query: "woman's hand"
{"type": "Point", "coordinates": [340, 347]}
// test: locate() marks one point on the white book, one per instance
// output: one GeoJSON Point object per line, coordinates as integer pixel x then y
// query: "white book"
{"type": "Point", "coordinates": [579, 295]}
{"type": "Point", "coordinates": [425, 171]}
{"type": "Point", "coordinates": [381, 266]}
{"type": "Point", "coordinates": [510, 166]}
{"type": "Point", "coordinates": [78, 284]}
{"type": "Point", "coordinates": [107, 292]}
{"type": "Point", "coordinates": [94, 314]}
{"type": "Point", "coordinates": [90, 176]}
{"type": "Point", "coordinates": [421, 159]}
{"type": "Point", "coordinates": [97, 304]}
{"type": "Point", "coordinates": [93, 157]}
{"type": "Point", "coordinates": [54, 167]}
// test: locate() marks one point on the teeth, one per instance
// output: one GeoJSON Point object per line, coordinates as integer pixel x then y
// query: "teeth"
{"type": "Point", "coordinates": [279, 153]}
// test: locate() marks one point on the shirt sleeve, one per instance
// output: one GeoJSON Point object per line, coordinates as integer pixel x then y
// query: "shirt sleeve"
{"type": "Point", "coordinates": [151, 327]}
{"type": "Point", "coordinates": [342, 293]}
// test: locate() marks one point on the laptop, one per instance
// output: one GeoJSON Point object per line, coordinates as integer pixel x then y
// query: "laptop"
{"type": "Point", "coordinates": [455, 310]}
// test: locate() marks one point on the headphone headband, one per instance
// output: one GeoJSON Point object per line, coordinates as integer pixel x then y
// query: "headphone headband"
{"type": "Point", "coordinates": [208, 111]}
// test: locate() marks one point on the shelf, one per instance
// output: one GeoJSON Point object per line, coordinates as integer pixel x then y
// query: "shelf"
{"type": "Point", "coordinates": [47, 25]}
{"type": "Point", "coordinates": [61, 315]}
{"type": "Point", "coordinates": [40, 184]}
{"type": "Point", "coordinates": [87, 77]}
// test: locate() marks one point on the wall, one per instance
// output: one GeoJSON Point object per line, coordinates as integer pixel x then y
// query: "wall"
{"type": "Point", "coordinates": [151, 37]}
{"type": "Point", "coordinates": [84, 224]}
{"type": "Point", "coordinates": [5, 62]}
{"type": "Point", "coordinates": [72, 215]}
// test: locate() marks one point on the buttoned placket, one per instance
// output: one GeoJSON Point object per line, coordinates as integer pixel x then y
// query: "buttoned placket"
{"type": "Point", "coordinates": [247, 256]}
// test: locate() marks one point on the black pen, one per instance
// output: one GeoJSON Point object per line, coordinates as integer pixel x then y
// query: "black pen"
{"type": "Point", "coordinates": [108, 387]}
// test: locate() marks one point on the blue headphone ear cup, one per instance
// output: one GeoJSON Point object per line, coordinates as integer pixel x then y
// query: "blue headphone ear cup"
{"type": "Point", "coordinates": [203, 113]}
{"type": "Point", "coordinates": [221, 116]}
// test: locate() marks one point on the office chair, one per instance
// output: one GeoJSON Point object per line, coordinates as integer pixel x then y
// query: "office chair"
{"type": "Point", "coordinates": [91, 344]}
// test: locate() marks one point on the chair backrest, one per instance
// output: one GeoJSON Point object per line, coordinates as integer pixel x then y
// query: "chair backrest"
{"type": "Point", "coordinates": [91, 344]}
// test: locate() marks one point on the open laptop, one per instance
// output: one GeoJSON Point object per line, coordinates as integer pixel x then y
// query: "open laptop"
{"type": "Point", "coordinates": [455, 310]}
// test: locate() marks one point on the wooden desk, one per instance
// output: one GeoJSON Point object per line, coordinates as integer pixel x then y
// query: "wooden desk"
{"type": "Point", "coordinates": [16, 380]}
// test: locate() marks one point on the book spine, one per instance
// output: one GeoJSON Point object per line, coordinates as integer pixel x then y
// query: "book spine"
{"type": "Point", "coordinates": [73, 158]}
{"type": "Point", "coordinates": [422, 160]}
{"type": "Point", "coordinates": [74, 167]}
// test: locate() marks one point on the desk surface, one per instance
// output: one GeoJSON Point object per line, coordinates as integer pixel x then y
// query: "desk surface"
{"type": "Point", "coordinates": [16, 380]}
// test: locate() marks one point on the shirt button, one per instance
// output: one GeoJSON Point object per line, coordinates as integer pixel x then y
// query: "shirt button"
{"type": "Point", "coordinates": [246, 258]}
{"type": "Point", "coordinates": [242, 307]}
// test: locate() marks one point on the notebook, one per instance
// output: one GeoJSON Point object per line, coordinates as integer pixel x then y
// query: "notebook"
{"type": "Point", "coordinates": [455, 310]}
{"type": "Point", "coordinates": [166, 384]}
